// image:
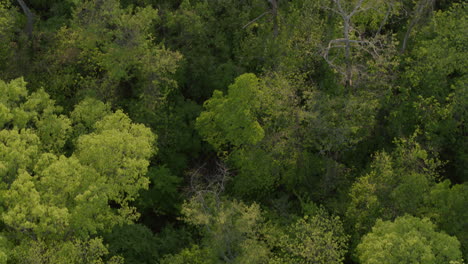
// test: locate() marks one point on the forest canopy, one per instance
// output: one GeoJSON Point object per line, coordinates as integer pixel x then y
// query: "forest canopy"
{"type": "Point", "coordinates": [253, 131]}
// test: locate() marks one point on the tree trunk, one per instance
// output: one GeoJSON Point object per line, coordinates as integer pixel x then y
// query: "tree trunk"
{"type": "Point", "coordinates": [347, 53]}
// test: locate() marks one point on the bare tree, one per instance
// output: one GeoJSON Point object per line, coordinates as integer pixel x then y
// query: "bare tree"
{"type": "Point", "coordinates": [204, 182]}
{"type": "Point", "coordinates": [371, 46]}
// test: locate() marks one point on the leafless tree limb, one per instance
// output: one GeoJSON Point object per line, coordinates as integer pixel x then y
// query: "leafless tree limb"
{"type": "Point", "coordinates": [257, 18]}
{"type": "Point", "coordinates": [29, 16]}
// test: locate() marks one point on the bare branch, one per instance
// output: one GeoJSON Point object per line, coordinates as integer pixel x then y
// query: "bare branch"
{"type": "Point", "coordinates": [29, 16]}
{"type": "Point", "coordinates": [357, 9]}
{"type": "Point", "coordinates": [257, 18]}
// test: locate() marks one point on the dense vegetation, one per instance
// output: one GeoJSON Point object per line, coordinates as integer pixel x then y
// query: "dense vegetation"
{"type": "Point", "coordinates": [233, 131]}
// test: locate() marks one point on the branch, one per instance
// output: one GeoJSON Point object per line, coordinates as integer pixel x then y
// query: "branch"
{"type": "Point", "coordinates": [340, 9]}
{"type": "Point", "coordinates": [384, 21]}
{"type": "Point", "coordinates": [356, 8]}
{"type": "Point", "coordinates": [257, 18]}
{"type": "Point", "coordinates": [29, 16]}
{"type": "Point", "coordinates": [333, 10]}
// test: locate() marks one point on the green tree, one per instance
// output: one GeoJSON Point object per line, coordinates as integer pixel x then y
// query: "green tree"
{"type": "Point", "coordinates": [231, 120]}
{"type": "Point", "coordinates": [231, 229]}
{"type": "Point", "coordinates": [8, 26]}
{"type": "Point", "coordinates": [446, 206]}
{"type": "Point", "coordinates": [193, 255]}
{"type": "Point", "coordinates": [53, 203]}
{"type": "Point", "coordinates": [208, 35]}
{"type": "Point", "coordinates": [135, 243]}
{"type": "Point", "coordinates": [319, 238]}
{"type": "Point", "coordinates": [108, 52]}
{"type": "Point", "coordinates": [408, 239]}
{"type": "Point", "coordinates": [397, 183]}
{"type": "Point", "coordinates": [432, 91]}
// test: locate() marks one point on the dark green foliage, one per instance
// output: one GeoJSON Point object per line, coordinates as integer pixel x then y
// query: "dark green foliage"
{"type": "Point", "coordinates": [136, 243]}
{"type": "Point", "coordinates": [163, 196]}
{"type": "Point", "coordinates": [288, 131]}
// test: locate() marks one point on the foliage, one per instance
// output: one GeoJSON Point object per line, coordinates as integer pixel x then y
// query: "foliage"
{"type": "Point", "coordinates": [162, 196]}
{"type": "Point", "coordinates": [60, 202]}
{"type": "Point", "coordinates": [231, 120]}
{"type": "Point", "coordinates": [319, 238]}
{"type": "Point", "coordinates": [410, 240]}
{"type": "Point", "coordinates": [287, 131]}
{"type": "Point", "coordinates": [8, 24]}
{"type": "Point", "coordinates": [103, 49]}
{"type": "Point", "coordinates": [447, 208]}
{"type": "Point", "coordinates": [432, 92]}
{"type": "Point", "coordinates": [135, 243]}
{"type": "Point", "coordinates": [397, 183]}
{"type": "Point", "coordinates": [231, 229]}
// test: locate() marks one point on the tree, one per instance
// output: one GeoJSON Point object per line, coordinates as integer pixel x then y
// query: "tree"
{"type": "Point", "coordinates": [234, 232]}
{"type": "Point", "coordinates": [423, 8]}
{"type": "Point", "coordinates": [207, 34]}
{"type": "Point", "coordinates": [106, 48]}
{"type": "Point", "coordinates": [231, 121]}
{"type": "Point", "coordinates": [318, 238]}
{"type": "Point", "coordinates": [432, 92]}
{"type": "Point", "coordinates": [57, 195]}
{"type": "Point", "coordinates": [446, 206]}
{"type": "Point", "coordinates": [368, 12]}
{"type": "Point", "coordinates": [333, 125]}
{"type": "Point", "coordinates": [29, 16]}
{"type": "Point", "coordinates": [8, 21]}
{"type": "Point", "coordinates": [231, 229]}
{"type": "Point", "coordinates": [397, 183]}
{"type": "Point", "coordinates": [135, 243]}
{"type": "Point", "coordinates": [408, 239]}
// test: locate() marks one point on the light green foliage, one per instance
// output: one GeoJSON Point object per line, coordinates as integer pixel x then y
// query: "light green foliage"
{"type": "Point", "coordinates": [407, 240]}
{"type": "Point", "coordinates": [36, 112]}
{"type": "Point", "coordinates": [26, 212]}
{"type": "Point", "coordinates": [86, 114]}
{"type": "Point", "coordinates": [231, 124]}
{"type": "Point", "coordinates": [397, 183]}
{"type": "Point", "coordinates": [232, 120]}
{"type": "Point", "coordinates": [231, 229]}
{"type": "Point", "coordinates": [49, 200]}
{"type": "Point", "coordinates": [73, 252]}
{"type": "Point", "coordinates": [319, 238]}
{"type": "Point", "coordinates": [193, 255]}
{"type": "Point", "coordinates": [118, 150]}
{"type": "Point", "coordinates": [237, 233]}
{"type": "Point", "coordinates": [18, 150]}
